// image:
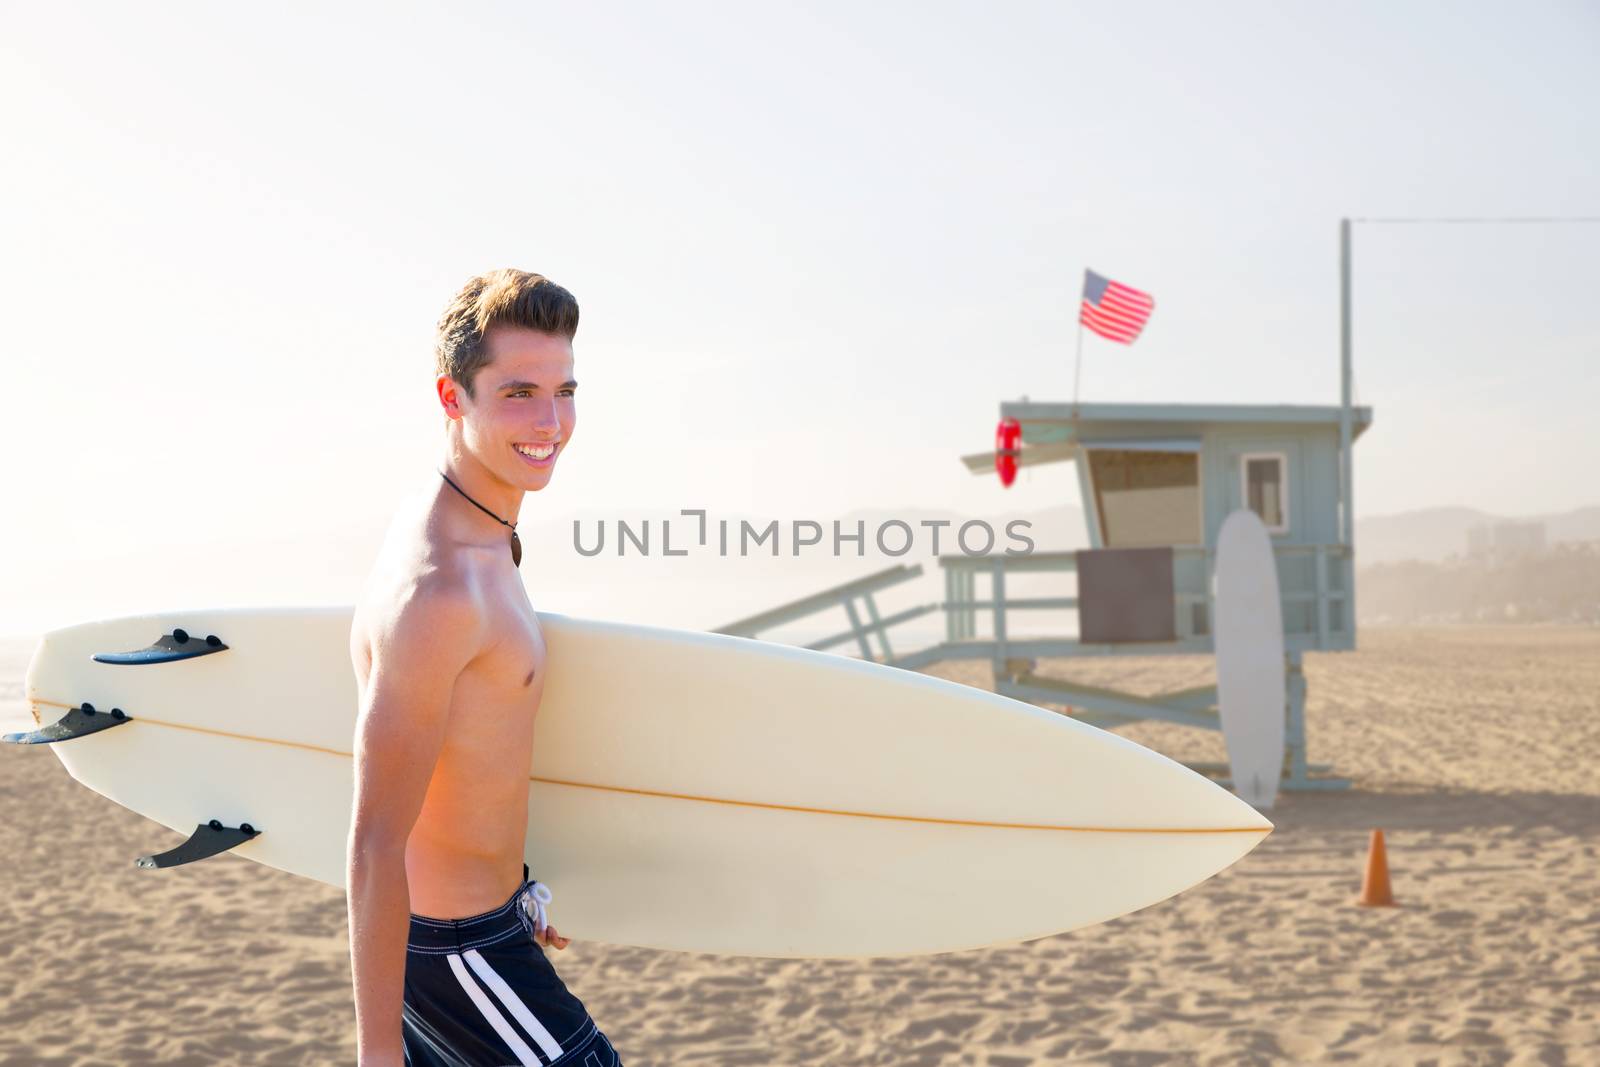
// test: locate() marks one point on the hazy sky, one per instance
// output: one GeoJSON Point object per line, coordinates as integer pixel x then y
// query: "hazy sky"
{"type": "Point", "coordinates": [815, 246]}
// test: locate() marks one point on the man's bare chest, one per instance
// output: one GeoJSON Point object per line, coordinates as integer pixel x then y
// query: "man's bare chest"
{"type": "Point", "coordinates": [513, 664]}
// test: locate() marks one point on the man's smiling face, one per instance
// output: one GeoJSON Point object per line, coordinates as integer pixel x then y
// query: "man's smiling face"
{"type": "Point", "coordinates": [525, 409]}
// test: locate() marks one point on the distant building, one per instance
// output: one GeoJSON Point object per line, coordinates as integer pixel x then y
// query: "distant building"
{"type": "Point", "coordinates": [1505, 540]}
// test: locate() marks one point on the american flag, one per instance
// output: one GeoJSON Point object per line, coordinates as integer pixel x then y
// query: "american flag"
{"type": "Point", "coordinates": [1114, 311]}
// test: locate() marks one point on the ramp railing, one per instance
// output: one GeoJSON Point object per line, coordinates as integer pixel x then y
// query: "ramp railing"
{"type": "Point", "coordinates": [861, 630]}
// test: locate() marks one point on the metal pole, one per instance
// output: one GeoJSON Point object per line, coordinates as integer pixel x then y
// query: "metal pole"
{"type": "Point", "coordinates": [1345, 480]}
{"type": "Point", "coordinates": [1346, 474]}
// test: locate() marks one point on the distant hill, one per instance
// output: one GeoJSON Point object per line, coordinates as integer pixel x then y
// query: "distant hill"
{"type": "Point", "coordinates": [1560, 584]}
{"type": "Point", "coordinates": [1437, 534]}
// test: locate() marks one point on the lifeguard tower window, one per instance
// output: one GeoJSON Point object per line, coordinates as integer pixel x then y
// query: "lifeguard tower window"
{"type": "Point", "coordinates": [1146, 499]}
{"type": "Point", "coordinates": [1266, 489]}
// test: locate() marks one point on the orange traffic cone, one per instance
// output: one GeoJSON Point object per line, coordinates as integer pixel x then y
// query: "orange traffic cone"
{"type": "Point", "coordinates": [1375, 890]}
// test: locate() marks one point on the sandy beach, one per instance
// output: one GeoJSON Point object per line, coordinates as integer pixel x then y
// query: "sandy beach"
{"type": "Point", "coordinates": [1475, 749]}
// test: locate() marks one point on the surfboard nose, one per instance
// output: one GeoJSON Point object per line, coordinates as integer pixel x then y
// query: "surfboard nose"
{"type": "Point", "coordinates": [1205, 802]}
{"type": "Point", "coordinates": [1240, 810]}
{"type": "Point", "coordinates": [1265, 823]}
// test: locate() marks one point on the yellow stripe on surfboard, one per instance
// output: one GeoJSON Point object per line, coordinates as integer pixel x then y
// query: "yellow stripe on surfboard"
{"type": "Point", "coordinates": [978, 823]}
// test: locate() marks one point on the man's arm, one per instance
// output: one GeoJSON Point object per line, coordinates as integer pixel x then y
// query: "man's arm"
{"type": "Point", "coordinates": [416, 659]}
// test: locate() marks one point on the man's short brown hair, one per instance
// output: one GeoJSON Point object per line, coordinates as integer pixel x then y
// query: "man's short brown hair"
{"type": "Point", "coordinates": [505, 297]}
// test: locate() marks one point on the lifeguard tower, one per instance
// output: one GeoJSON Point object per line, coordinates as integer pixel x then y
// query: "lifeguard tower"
{"type": "Point", "coordinates": [1156, 481]}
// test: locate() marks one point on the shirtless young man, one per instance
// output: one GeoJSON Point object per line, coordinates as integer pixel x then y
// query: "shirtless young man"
{"type": "Point", "coordinates": [447, 930]}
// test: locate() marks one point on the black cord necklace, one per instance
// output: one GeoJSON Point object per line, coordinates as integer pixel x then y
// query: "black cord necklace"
{"type": "Point", "coordinates": [516, 545]}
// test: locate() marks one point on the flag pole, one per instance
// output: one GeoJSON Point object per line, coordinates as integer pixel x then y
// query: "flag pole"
{"type": "Point", "coordinates": [1077, 361]}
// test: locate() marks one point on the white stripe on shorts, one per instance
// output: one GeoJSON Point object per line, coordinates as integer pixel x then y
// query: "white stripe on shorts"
{"type": "Point", "coordinates": [525, 1055]}
{"type": "Point", "coordinates": [514, 1004]}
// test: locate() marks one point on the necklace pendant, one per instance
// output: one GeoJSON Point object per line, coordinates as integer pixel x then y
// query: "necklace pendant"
{"type": "Point", "coordinates": [516, 550]}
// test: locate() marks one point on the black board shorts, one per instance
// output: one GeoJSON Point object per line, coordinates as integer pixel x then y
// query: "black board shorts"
{"type": "Point", "coordinates": [481, 993]}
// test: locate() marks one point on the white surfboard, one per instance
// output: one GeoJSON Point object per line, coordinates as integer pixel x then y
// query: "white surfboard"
{"type": "Point", "coordinates": [1251, 696]}
{"type": "Point", "coordinates": [688, 791]}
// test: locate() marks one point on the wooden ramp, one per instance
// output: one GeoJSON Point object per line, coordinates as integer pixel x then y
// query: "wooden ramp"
{"type": "Point", "coordinates": [1110, 707]}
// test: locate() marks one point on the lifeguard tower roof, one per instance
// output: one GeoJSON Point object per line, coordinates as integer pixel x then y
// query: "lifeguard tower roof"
{"type": "Point", "coordinates": [1196, 414]}
{"type": "Point", "coordinates": [1054, 423]}
{"type": "Point", "coordinates": [1168, 474]}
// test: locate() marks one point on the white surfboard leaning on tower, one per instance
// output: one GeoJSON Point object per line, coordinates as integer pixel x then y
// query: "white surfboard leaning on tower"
{"type": "Point", "coordinates": [1251, 694]}
{"type": "Point", "coordinates": [688, 791]}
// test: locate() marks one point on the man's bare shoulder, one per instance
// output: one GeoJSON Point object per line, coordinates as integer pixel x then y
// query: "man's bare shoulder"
{"type": "Point", "coordinates": [419, 589]}
{"type": "Point", "coordinates": [436, 597]}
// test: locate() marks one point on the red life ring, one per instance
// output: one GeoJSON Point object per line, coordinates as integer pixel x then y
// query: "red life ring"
{"type": "Point", "coordinates": [1007, 438]}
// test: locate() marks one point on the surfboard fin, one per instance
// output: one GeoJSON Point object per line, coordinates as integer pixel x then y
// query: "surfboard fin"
{"type": "Point", "coordinates": [78, 722]}
{"type": "Point", "coordinates": [176, 645]}
{"type": "Point", "coordinates": [208, 839]}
